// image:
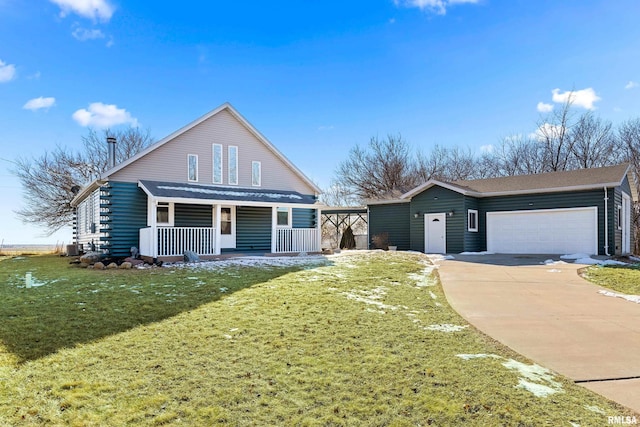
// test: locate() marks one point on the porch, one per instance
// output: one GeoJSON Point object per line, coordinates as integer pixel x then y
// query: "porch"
{"type": "Point", "coordinates": [159, 242]}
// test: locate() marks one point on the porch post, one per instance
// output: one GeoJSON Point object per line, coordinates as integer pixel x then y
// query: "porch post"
{"type": "Point", "coordinates": [274, 229]}
{"type": "Point", "coordinates": [217, 223]}
{"type": "Point", "coordinates": [318, 230]}
{"type": "Point", "coordinates": [152, 222]}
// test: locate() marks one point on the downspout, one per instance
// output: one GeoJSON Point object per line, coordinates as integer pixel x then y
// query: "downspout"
{"type": "Point", "coordinates": [606, 222]}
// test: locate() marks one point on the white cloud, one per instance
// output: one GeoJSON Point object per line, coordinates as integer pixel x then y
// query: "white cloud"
{"type": "Point", "coordinates": [584, 98]}
{"type": "Point", "coordinates": [84, 34]}
{"type": "Point", "coordinates": [103, 116]}
{"type": "Point", "coordinates": [92, 9]}
{"type": "Point", "coordinates": [486, 148]}
{"type": "Point", "coordinates": [7, 72]}
{"type": "Point", "coordinates": [631, 84]}
{"type": "Point", "coordinates": [544, 108]}
{"type": "Point", "coordinates": [39, 103]}
{"type": "Point", "coordinates": [547, 130]}
{"type": "Point", "coordinates": [436, 6]}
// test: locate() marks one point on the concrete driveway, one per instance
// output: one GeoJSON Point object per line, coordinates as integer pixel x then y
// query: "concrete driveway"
{"type": "Point", "coordinates": [552, 316]}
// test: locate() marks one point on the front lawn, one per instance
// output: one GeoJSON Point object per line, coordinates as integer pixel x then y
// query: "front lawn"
{"type": "Point", "coordinates": [624, 279]}
{"type": "Point", "coordinates": [359, 339]}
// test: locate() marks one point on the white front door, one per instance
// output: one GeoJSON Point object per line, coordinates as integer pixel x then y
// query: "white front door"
{"type": "Point", "coordinates": [435, 237]}
{"type": "Point", "coordinates": [227, 226]}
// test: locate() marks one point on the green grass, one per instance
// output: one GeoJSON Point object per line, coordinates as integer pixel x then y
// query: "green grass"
{"type": "Point", "coordinates": [347, 343]}
{"type": "Point", "coordinates": [624, 279]}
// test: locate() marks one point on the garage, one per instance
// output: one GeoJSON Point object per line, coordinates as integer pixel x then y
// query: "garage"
{"type": "Point", "coordinates": [545, 231]}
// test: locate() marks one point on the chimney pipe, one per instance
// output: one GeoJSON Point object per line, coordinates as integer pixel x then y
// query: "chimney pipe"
{"type": "Point", "coordinates": [111, 159]}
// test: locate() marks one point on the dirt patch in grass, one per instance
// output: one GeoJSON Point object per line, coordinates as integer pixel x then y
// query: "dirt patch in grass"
{"type": "Point", "coordinates": [366, 340]}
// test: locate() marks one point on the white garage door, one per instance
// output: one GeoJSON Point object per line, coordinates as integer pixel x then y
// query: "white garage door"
{"type": "Point", "coordinates": [548, 231]}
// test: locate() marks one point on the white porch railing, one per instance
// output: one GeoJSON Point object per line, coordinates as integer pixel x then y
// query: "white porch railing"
{"type": "Point", "coordinates": [174, 241]}
{"type": "Point", "coordinates": [296, 240]}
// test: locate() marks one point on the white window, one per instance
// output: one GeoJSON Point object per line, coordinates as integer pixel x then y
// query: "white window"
{"type": "Point", "coordinates": [256, 174]}
{"type": "Point", "coordinates": [217, 163]}
{"type": "Point", "coordinates": [192, 163]}
{"type": "Point", "coordinates": [233, 165]}
{"type": "Point", "coordinates": [283, 217]}
{"type": "Point", "coordinates": [620, 217]}
{"type": "Point", "coordinates": [472, 220]}
{"type": "Point", "coordinates": [164, 214]}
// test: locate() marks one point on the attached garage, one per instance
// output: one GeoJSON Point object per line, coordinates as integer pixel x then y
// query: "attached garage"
{"type": "Point", "coordinates": [545, 231]}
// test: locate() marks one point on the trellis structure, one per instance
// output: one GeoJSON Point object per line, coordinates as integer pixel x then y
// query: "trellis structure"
{"type": "Point", "coordinates": [335, 220]}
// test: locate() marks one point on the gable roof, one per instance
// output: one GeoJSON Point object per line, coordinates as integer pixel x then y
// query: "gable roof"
{"type": "Point", "coordinates": [575, 180]}
{"type": "Point", "coordinates": [228, 107]}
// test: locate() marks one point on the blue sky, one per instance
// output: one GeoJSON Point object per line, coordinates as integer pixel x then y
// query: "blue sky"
{"type": "Point", "coordinates": [314, 77]}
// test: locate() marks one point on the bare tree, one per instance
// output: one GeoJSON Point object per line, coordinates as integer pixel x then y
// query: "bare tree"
{"type": "Point", "coordinates": [594, 143]}
{"type": "Point", "coordinates": [385, 168]}
{"type": "Point", "coordinates": [50, 182]}
{"type": "Point", "coordinates": [338, 195]}
{"type": "Point", "coordinates": [553, 134]}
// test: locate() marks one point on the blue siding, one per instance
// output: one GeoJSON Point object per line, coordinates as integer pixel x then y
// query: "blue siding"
{"type": "Point", "coordinates": [392, 219]}
{"type": "Point", "coordinates": [303, 218]}
{"type": "Point", "coordinates": [193, 215]}
{"type": "Point", "coordinates": [125, 214]}
{"type": "Point", "coordinates": [439, 200]}
{"type": "Point", "coordinates": [253, 228]}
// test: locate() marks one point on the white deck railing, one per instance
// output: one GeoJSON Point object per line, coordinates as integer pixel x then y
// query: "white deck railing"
{"type": "Point", "coordinates": [174, 241]}
{"type": "Point", "coordinates": [296, 240]}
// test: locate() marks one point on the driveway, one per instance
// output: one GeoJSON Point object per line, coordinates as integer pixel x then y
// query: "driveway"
{"type": "Point", "coordinates": [552, 316]}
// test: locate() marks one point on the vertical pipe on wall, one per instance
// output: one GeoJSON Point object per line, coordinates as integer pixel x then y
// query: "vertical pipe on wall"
{"type": "Point", "coordinates": [606, 222]}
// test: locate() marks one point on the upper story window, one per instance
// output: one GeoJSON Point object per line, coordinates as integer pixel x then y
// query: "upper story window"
{"type": "Point", "coordinates": [233, 165]}
{"type": "Point", "coordinates": [256, 173]}
{"type": "Point", "coordinates": [472, 220]}
{"type": "Point", "coordinates": [283, 217]}
{"type": "Point", "coordinates": [192, 165]}
{"type": "Point", "coordinates": [217, 163]}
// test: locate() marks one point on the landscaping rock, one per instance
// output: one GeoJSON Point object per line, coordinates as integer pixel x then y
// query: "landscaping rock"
{"type": "Point", "coordinates": [125, 265]}
{"type": "Point", "coordinates": [190, 256]}
{"type": "Point", "coordinates": [98, 266]}
{"type": "Point", "coordinates": [90, 257]}
{"type": "Point", "coordinates": [112, 266]}
{"type": "Point", "coordinates": [133, 261]}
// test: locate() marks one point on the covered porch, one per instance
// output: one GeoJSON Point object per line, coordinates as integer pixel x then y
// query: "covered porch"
{"type": "Point", "coordinates": [212, 220]}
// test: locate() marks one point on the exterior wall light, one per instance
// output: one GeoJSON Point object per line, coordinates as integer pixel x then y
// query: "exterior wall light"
{"type": "Point", "coordinates": [416, 215]}
{"type": "Point", "coordinates": [451, 212]}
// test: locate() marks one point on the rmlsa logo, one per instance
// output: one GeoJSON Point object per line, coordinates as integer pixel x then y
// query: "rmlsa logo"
{"type": "Point", "coordinates": [621, 420]}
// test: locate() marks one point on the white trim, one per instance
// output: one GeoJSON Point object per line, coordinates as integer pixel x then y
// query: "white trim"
{"type": "Point", "coordinates": [586, 208]}
{"type": "Point", "coordinates": [213, 164]}
{"type": "Point", "coordinates": [253, 181]}
{"type": "Point", "coordinates": [442, 216]}
{"type": "Point", "coordinates": [235, 166]}
{"type": "Point", "coordinates": [626, 224]}
{"type": "Point", "coordinates": [474, 212]}
{"type": "Point", "coordinates": [619, 217]}
{"type": "Point", "coordinates": [226, 106]}
{"type": "Point", "coordinates": [189, 157]}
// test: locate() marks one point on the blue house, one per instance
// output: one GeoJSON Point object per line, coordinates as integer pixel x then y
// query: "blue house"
{"type": "Point", "coordinates": [581, 211]}
{"type": "Point", "coordinates": [216, 185]}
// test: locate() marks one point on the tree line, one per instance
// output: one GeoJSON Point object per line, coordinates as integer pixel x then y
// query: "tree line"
{"type": "Point", "coordinates": [564, 140]}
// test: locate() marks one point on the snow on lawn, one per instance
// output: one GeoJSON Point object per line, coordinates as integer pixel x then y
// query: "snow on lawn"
{"type": "Point", "coordinates": [371, 297]}
{"type": "Point", "coordinates": [446, 327]}
{"type": "Point", "coordinates": [477, 253]}
{"type": "Point", "coordinates": [534, 378]}
{"type": "Point", "coordinates": [632, 298]}
{"type": "Point", "coordinates": [586, 259]}
{"type": "Point", "coordinates": [255, 261]}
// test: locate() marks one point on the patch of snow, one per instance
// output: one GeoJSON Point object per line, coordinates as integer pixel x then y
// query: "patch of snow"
{"type": "Point", "coordinates": [371, 297]}
{"type": "Point", "coordinates": [439, 257]}
{"type": "Point", "coordinates": [228, 337]}
{"type": "Point", "coordinates": [574, 424]}
{"type": "Point", "coordinates": [591, 261]}
{"type": "Point", "coordinates": [595, 409]}
{"type": "Point", "coordinates": [231, 193]}
{"type": "Point", "coordinates": [478, 356]}
{"type": "Point", "coordinates": [634, 258]}
{"type": "Point", "coordinates": [632, 298]}
{"type": "Point", "coordinates": [554, 270]}
{"type": "Point", "coordinates": [533, 376]}
{"type": "Point", "coordinates": [446, 327]}
{"type": "Point", "coordinates": [432, 295]}
{"type": "Point", "coordinates": [574, 256]}
{"type": "Point", "coordinates": [223, 289]}
{"type": "Point", "coordinates": [613, 262]}
{"type": "Point", "coordinates": [477, 253]}
{"type": "Point", "coordinates": [254, 261]}
{"type": "Point", "coordinates": [552, 262]}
